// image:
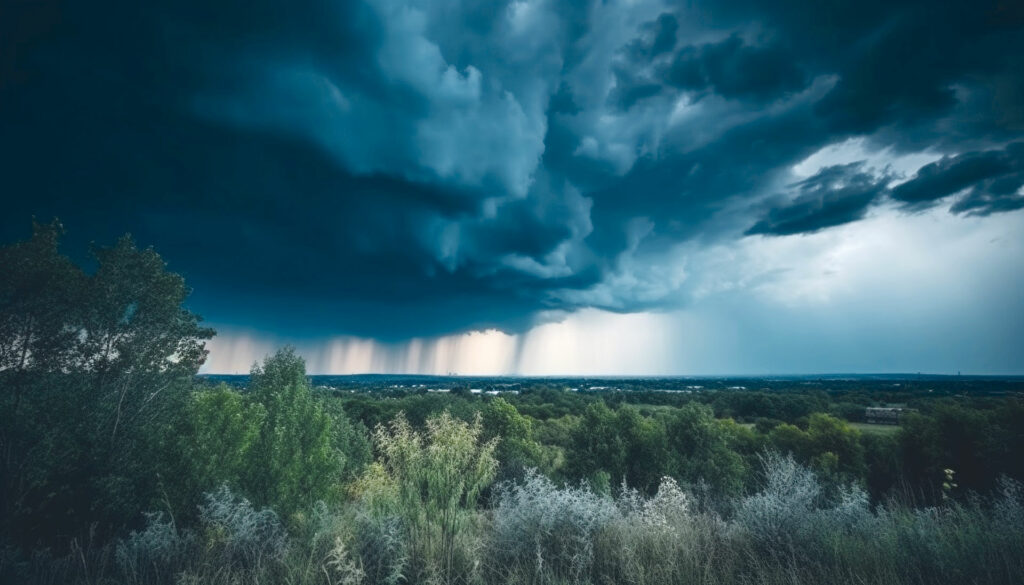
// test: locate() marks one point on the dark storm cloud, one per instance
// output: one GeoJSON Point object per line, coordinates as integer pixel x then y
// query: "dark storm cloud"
{"type": "Point", "coordinates": [393, 169]}
{"type": "Point", "coordinates": [836, 195]}
{"type": "Point", "coordinates": [990, 180]}
{"type": "Point", "coordinates": [734, 69]}
{"type": "Point", "coordinates": [993, 179]}
{"type": "Point", "coordinates": [730, 68]}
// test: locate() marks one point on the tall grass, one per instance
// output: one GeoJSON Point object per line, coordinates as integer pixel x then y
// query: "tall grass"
{"type": "Point", "coordinates": [542, 533]}
{"type": "Point", "coordinates": [536, 532]}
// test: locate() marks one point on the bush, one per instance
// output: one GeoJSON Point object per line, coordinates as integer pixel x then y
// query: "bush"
{"type": "Point", "coordinates": [541, 533]}
{"type": "Point", "coordinates": [157, 553]}
{"type": "Point", "coordinates": [381, 548]}
{"type": "Point", "coordinates": [238, 534]}
{"type": "Point", "coordinates": [658, 539]}
{"type": "Point", "coordinates": [432, 481]}
{"type": "Point", "coordinates": [541, 530]}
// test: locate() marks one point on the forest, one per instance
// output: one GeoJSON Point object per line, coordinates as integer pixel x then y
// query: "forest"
{"type": "Point", "coordinates": [120, 465]}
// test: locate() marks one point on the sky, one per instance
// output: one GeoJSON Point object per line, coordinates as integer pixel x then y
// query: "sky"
{"type": "Point", "coordinates": [708, 187]}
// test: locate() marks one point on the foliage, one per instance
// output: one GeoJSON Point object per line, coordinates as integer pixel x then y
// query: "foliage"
{"type": "Point", "coordinates": [517, 451]}
{"type": "Point", "coordinates": [153, 554]}
{"type": "Point", "coordinates": [212, 445]}
{"type": "Point", "coordinates": [786, 532]}
{"type": "Point", "coordinates": [432, 480]}
{"type": "Point", "coordinates": [541, 530]}
{"type": "Point", "coordinates": [978, 444]}
{"type": "Point", "coordinates": [831, 446]}
{"type": "Point", "coordinates": [94, 368]}
{"type": "Point", "coordinates": [702, 450]}
{"type": "Point", "coordinates": [279, 444]}
{"type": "Point", "coordinates": [240, 533]}
{"type": "Point", "coordinates": [618, 446]}
{"type": "Point", "coordinates": [351, 440]}
{"type": "Point", "coordinates": [292, 462]}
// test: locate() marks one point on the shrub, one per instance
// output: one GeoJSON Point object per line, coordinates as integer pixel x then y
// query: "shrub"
{"type": "Point", "coordinates": [658, 539]}
{"type": "Point", "coordinates": [776, 516]}
{"type": "Point", "coordinates": [540, 530]}
{"type": "Point", "coordinates": [240, 535]}
{"type": "Point", "coordinates": [432, 480]}
{"type": "Point", "coordinates": [380, 546]}
{"type": "Point", "coordinates": [157, 553]}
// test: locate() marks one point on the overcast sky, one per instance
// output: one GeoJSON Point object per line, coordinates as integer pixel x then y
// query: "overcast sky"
{"type": "Point", "coordinates": [538, 187]}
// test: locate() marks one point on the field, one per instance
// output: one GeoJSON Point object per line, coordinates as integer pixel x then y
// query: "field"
{"type": "Point", "coordinates": [875, 428]}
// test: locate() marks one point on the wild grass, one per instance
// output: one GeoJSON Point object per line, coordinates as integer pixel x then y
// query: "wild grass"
{"type": "Point", "coordinates": [790, 531]}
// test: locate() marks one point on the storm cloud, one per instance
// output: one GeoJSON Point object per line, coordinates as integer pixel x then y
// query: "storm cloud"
{"type": "Point", "coordinates": [400, 169]}
{"type": "Point", "coordinates": [834, 196]}
{"type": "Point", "coordinates": [992, 180]}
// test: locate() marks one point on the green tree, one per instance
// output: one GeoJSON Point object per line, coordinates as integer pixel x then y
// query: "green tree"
{"type": "Point", "coordinates": [516, 451]}
{"type": "Point", "coordinates": [615, 446]}
{"type": "Point", "coordinates": [701, 450]}
{"type": "Point", "coordinates": [828, 434]}
{"type": "Point", "coordinates": [881, 459]}
{"type": "Point", "coordinates": [94, 365]}
{"type": "Point", "coordinates": [292, 462]}
{"type": "Point", "coordinates": [38, 309]}
{"type": "Point", "coordinates": [647, 455]}
{"type": "Point", "coordinates": [350, 439]}
{"type": "Point", "coordinates": [597, 446]}
{"type": "Point", "coordinates": [139, 349]}
{"type": "Point", "coordinates": [213, 445]}
{"type": "Point", "coordinates": [138, 340]}
{"type": "Point", "coordinates": [787, 438]}
{"type": "Point", "coordinates": [38, 314]}
{"type": "Point", "coordinates": [829, 445]}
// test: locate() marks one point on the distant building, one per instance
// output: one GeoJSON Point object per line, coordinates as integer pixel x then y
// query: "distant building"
{"type": "Point", "coordinates": [885, 415]}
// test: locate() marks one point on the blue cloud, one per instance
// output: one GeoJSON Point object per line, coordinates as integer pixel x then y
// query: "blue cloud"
{"type": "Point", "coordinates": [415, 168]}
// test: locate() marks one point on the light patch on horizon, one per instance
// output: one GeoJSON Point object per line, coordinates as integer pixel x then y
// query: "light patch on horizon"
{"type": "Point", "coordinates": [593, 342]}
{"type": "Point", "coordinates": [488, 352]}
{"type": "Point", "coordinates": [235, 353]}
{"type": "Point", "coordinates": [589, 342]}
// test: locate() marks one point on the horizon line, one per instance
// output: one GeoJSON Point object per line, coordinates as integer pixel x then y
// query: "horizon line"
{"type": "Point", "coordinates": [893, 375]}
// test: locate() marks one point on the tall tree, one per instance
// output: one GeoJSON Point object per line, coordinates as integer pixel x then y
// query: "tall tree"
{"type": "Point", "coordinates": [38, 313]}
{"type": "Point", "coordinates": [293, 460]}
{"type": "Point", "coordinates": [701, 450]}
{"type": "Point", "coordinates": [516, 451]}
{"type": "Point", "coordinates": [137, 338]}
{"type": "Point", "coordinates": [90, 367]}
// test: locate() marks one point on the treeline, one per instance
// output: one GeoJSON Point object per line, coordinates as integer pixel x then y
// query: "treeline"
{"type": "Point", "coordinates": [604, 437]}
{"type": "Point", "coordinates": [120, 466]}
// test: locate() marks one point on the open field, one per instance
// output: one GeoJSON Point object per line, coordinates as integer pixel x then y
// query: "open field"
{"type": "Point", "coordinates": [875, 428]}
